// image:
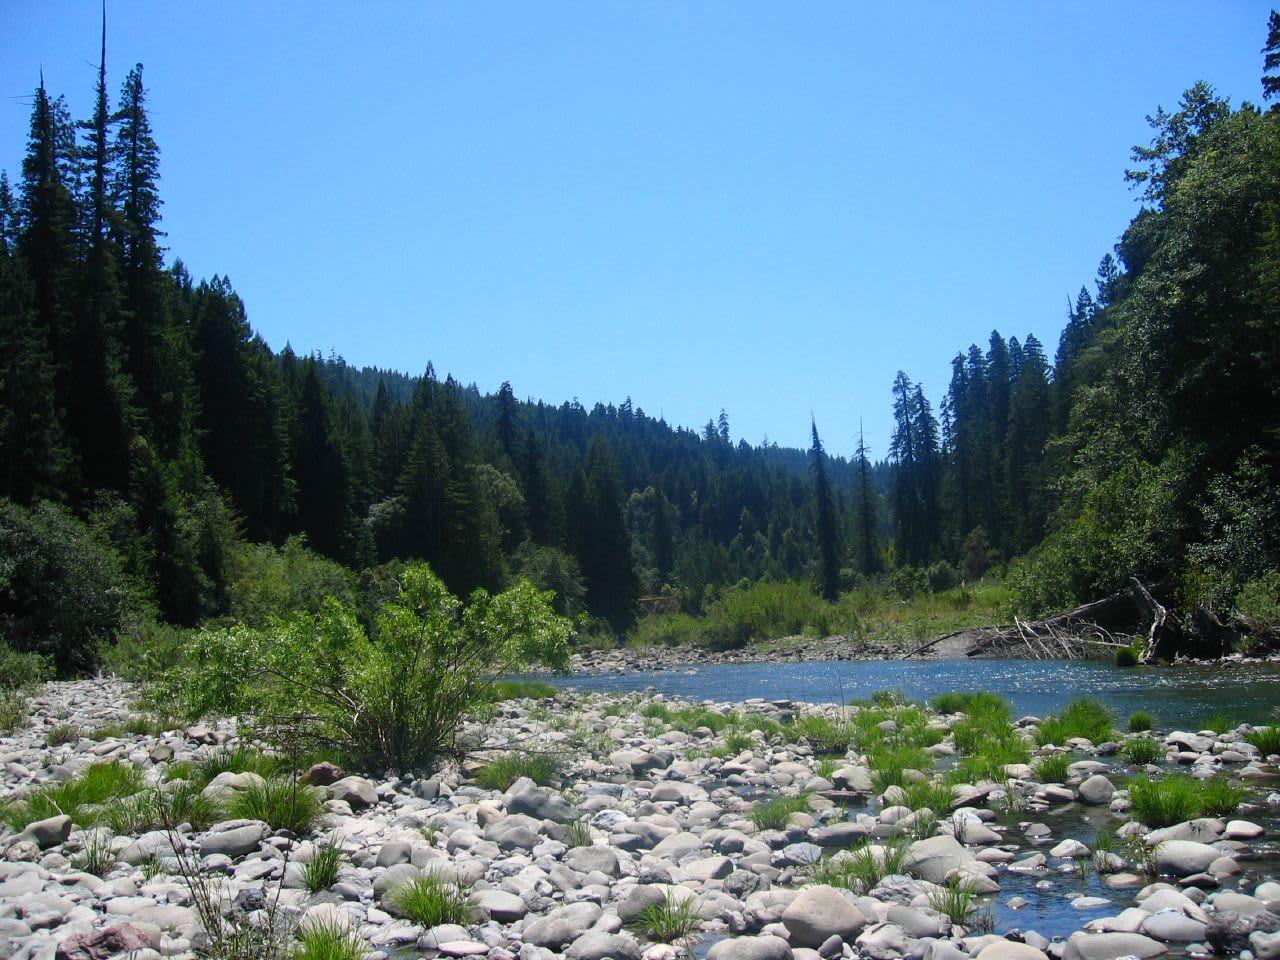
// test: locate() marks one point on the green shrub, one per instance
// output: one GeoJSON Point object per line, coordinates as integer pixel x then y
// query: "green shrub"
{"type": "Point", "coordinates": [267, 582]}
{"type": "Point", "coordinates": [1219, 797]}
{"type": "Point", "coordinates": [162, 809]}
{"type": "Point", "coordinates": [1141, 751]}
{"type": "Point", "coordinates": [1266, 739]}
{"type": "Point", "coordinates": [21, 670]}
{"type": "Point", "coordinates": [823, 734]}
{"type": "Point", "coordinates": [144, 651]}
{"type": "Point", "coordinates": [1126, 657]}
{"type": "Point", "coordinates": [1140, 721]}
{"type": "Point", "coordinates": [673, 920]}
{"type": "Point", "coordinates": [980, 704]}
{"type": "Point", "coordinates": [906, 582]}
{"type": "Point", "coordinates": [1162, 803]}
{"type": "Point", "coordinates": [764, 611]}
{"type": "Point", "coordinates": [430, 901]}
{"type": "Point", "coordinates": [1258, 603]}
{"type": "Point", "coordinates": [63, 590]}
{"type": "Point", "coordinates": [774, 814]}
{"type": "Point", "coordinates": [281, 802]}
{"type": "Point", "coordinates": [666, 630]}
{"type": "Point", "coordinates": [13, 712]}
{"type": "Point", "coordinates": [501, 772]}
{"type": "Point", "coordinates": [391, 699]}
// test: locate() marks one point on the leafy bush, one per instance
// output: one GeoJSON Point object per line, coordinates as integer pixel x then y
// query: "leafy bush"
{"type": "Point", "coordinates": [267, 581]}
{"type": "Point", "coordinates": [21, 670]}
{"type": "Point", "coordinates": [144, 651]}
{"type": "Point", "coordinates": [501, 773]}
{"type": "Point", "coordinates": [1126, 657]}
{"type": "Point", "coordinates": [523, 689]}
{"type": "Point", "coordinates": [429, 901]}
{"type": "Point", "coordinates": [764, 611]}
{"type": "Point", "coordinates": [906, 582]}
{"type": "Point", "coordinates": [395, 698]}
{"type": "Point", "coordinates": [941, 576]}
{"type": "Point", "coordinates": [13, 711]}
{"type": "Point", "coordinates": [1258, 603]}
{"type": "Point", "coordinates": [63, 591]}
{"type": "Point", "coordinates": [1140, 721]}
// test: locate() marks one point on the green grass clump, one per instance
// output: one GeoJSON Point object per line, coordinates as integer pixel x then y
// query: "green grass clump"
{"type": "Point", "coordinates": [501, 772]}
{"type": "Point", "coordinates": [239, 759]}
{"type": "Point", "coordinates": [1162, 803]}
{"type": "Point", "coordinates": [1083, 717]}
{"type": "Point", "coordinates": [281, 802]}
{"type": "Point", "coordinates": [674, 920]}
{"type": "Point", "coordinates": [889, 765]}
{"type": "Point", "coordinates": [578, 833]}
{"type": "Point", "coordinates": [774, 814]}
{"type": "Point", "coordinates": [1219, 797]}
{"type": "Point", "coordinates": [1141, 721]}
{"type": "Point", "coordinates": [1219, 722]}
{"type": "Point", "coordinates": [1266, 739]}
{"type": "Point", "coordinates": [522, 689]}
{"type": "Point", "coordinates": [321, 871]}
{"type": "Point", "coordinates": [430, 901]}
{"type": "Point", "coordinates": [824, 734]}
{"type": "Point", "coordinates": [860, 869]}
{"type": "Point", "coordinates": [84, 799]}
{"type": "Point", "coordinates": [13, 712]}
{"type": "Point", "coordinates": [1052, 768]}
{"type": "Point", "coordinates": [61, 733]}
{"type": "Point", "coordinates": [95, 854]}
{"type": "Point", "coordinates": [691, 718]}
{"type": "Point", "coordinates": [1126, 657]}
{"type": "Point", "coordinates": [159, 809]}
{"type": "Point", "coordinates": [1141, 751]}
{"type": "Point", "coordinates": [738, 741]}
{"type": "Point", "coordinates": [329, 940]}
{"type": "Point", "coordinates": [982, 703]}
{"type": "Point", "coordinates": [954, 901]}
{"type": "Point", "coordinates": [926, 794]}
{"type": "Point", "coordinates": [655, 711]}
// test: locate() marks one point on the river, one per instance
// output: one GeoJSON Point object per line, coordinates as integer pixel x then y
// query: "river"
{"type": "Point", "coordinates": [1178, 696]}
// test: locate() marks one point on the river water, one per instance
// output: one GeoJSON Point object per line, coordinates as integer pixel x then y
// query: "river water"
{"type": "Point", "coordinates": [1179, 696]}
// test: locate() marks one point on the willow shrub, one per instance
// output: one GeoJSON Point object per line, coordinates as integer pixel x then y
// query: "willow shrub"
{"type": "Point", "coordinates": [393, 697]}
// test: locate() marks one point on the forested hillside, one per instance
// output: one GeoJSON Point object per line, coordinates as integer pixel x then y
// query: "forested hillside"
{"type": "Point", "coordinates": [157, 453]}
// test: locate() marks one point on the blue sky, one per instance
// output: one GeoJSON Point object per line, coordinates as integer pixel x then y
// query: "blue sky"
{"type": "Point", "coordinates": [769, 208]}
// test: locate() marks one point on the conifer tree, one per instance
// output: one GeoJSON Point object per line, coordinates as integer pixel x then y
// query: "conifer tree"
{"type": "Point", "coordinates": [866, 518]}
{"type": "Point", "coordinates": [826, 531]}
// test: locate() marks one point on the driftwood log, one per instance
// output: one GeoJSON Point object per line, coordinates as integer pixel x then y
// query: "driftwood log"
{"type": "Point", "coordinates": [1086, 631]}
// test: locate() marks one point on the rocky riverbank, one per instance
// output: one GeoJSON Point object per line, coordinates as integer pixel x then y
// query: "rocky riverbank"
{"type": "Point", "coordinates": [654, 805]}
{"type": "Point", "coordinates": [782, 650]}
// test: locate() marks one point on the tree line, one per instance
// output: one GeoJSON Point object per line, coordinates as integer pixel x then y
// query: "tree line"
{"type": "Point", "coordinates": [141, 404]}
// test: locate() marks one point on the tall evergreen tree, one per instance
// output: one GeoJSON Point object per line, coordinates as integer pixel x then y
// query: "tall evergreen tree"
{"type": "Point", "coordinates": [827, 533]}
{"type": "Point", "coordinates": [866, 519]}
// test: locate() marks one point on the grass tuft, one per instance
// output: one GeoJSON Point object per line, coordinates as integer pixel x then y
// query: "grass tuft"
{"type": "Point", "coordinates": [1052, 768]}
{"type": "Point", "coordinates": [1162, 803]}
{"type": "Point", "coordinates": [671, 921]}
{"type": "Point", "coordinates": [329, 940]}
{"type": "Point", "coordinates": [1266, 739]}
{"type": "Point", "coordinates": [1141, 751]}
{"type": "Point", "coordinates": [1140, 721]}
{"type": "Point", "coordinates": [954, 900]}
{"type": "Point", "coordinates": [281, 802]}
{"type": "Point", "coordinates": [501, 772]}
{"type": "Point", "coordinates": [860, 869]}
{"type": "Point", "coordinates": [61, 733]}
{"type": "Point", "coordinates": [1083, 717]}
{"type": "Point", "coordinates": [429, 901]}
{"type": "Point", "coordinates": [84, 799]}
{"type": "Point", "coordinates": [774, 814]}
{"type": "Point", "coordinates": [321, 871]}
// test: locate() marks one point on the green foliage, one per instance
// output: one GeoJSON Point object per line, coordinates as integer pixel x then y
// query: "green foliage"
{"type": "Point", "coordinates": [330, 939]}
{"type": "Point", "coordinates": [927, 794]}
{"type": "Point", "coordinates": [391, 699]}
{"type": "Point", "coordinates": [1052, 768]}
{"type": "Point", "coordinates": [145, 651]}
{"type": "Point", "coordinates": [61, 733]}
{"type": "Point", "coordinates": [95, 854]}
{"type": "Point", "coordinates": [1219, 722]}
{"type": "Point", "coordinates": [267, 582]}
{"type": "Point", "coordinates": [774, 814]}
{"type": "Point", "coordinates": [1126, 657]}
{"type": "Point", "coordinates": [1141, 751]}
{"type": "Point", "coordinates": [1173, 799]}
{"type": "Point", "coordinates": [430, 901]}
{"type": "Point", "coordinates": [84, 798]}
{"type": "Point", "coordinates": [673, 920]}
{"type": "Point", "coordinates": [523, 689]}
{"type": "Point", "coordinates": [21, 670]}
{"type": "Point", "coordinates": [1083, 717]}
{"type": "Point", "coordinates": [13, 711]}
{"type": "Point", "coordinates": [321, 871]}
{"type": "Point", "coordinates": [1258, 603]}
{"type": "Point", "coordinates": [161, 809]}
{"type": "Point", "coordinates": [281, 802]}
{"type": "Point", "coordinates": [502, 772]}
{"type": "Point", "coordinates": [860, 869]}
{"type": "Point", "coordinates": [764, 611]}
{"type": "Point", "coordinates": [1266, 739]}
{"type": "Point", "coordinates": [238, 759]}
{"type": "Point", "coordinates": [954, 900]}
{"type": "Point", "coordinates": [63, 592]}
{"type": "Point", "coordinates": [1141, 721]}
{"type": "Point", "coordinates": [739, 741]}
{"type": "Point", "coordinates": [823, 734]}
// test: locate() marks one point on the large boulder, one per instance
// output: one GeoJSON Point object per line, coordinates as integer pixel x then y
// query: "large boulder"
{"type": "Point", "coordinates": [1185, 857]}
{"type": "Point", "coordinates": [932, 859]}
{"type": "Point", "coordinates": [48, 833]}
{"type": "Point", "coordinates": [1009, 950]}
{"type": "Point", "coordinates": [356, 791]}
{"type": "Point", "coordinates": [1111, 946]}
{"type": "Point", "coordinates": [541, 804]}
{"type": "Point", "coordinates": [751, 948]}
{"type": "Point", "coordinates": [820, 912]}
{"type": "Point", "coordinates": [234, 838]}
{"type": "Point", "coordinates": [598, 945]}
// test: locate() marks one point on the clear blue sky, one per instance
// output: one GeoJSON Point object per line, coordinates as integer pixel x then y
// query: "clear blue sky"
{"type": "Point", "coordinates": [769, 208]}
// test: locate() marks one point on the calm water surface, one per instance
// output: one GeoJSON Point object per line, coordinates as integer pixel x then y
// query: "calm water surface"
{"type": "Point", "coordinates": [1179, 697]}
